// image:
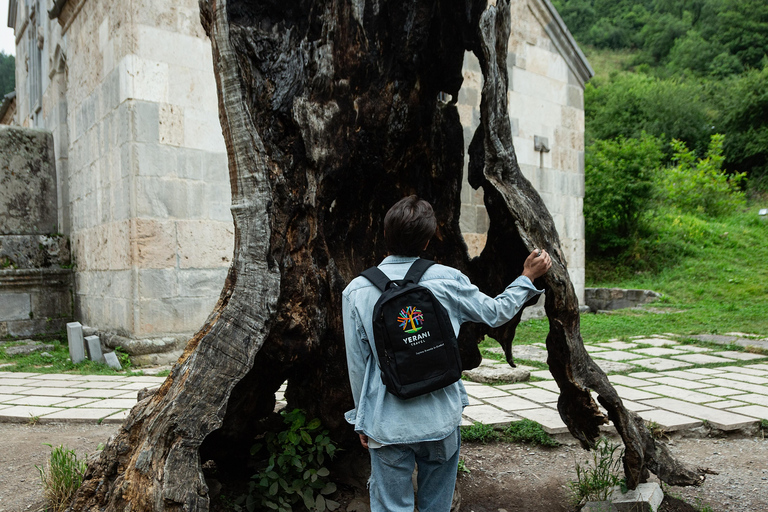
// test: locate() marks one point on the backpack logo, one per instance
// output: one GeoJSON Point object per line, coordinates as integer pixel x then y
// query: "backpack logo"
{"type": "Point", "coordinates": [410, 319]}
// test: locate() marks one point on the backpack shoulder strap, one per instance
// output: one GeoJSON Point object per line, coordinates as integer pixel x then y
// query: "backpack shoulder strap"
{"type": "Point", "coordinates": [417, 270]}
{"type": "Point", "coordinates": [377, 277]}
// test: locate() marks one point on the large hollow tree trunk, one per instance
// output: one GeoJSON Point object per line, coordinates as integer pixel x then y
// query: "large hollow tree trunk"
{"type": "Point", "coordinates": [330, 113]}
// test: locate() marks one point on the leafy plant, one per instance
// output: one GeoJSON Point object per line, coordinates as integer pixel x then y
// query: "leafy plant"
{"type": "Point", "coordinates": [619, 186]}
{"type": "Point", "coordinates": [295, 471]}
{"type": "Point", "coordinates": [479, 433]}
{"type": "Point", "coordinates": [699, 185]}
{"type": "Point", "coordinates": [61, 477]}
{"type": "Point", "coordinates": [596, 478]}
{"type": "Point", "coordinates": [463, 467]}
{"type": "Point", "coordinates": [528, 431]}
{"type": "Point", "coordinates": [657, 431]}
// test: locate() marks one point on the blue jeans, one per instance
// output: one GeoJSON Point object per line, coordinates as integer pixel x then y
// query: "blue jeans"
{"type": "Point", "coordinates": [391, 487]}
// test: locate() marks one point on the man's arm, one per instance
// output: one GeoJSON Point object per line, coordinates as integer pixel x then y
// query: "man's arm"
{"type": "Point", "coordinates": [475, 306]}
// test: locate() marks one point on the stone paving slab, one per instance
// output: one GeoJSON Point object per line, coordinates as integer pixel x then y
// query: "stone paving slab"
{"type": "Point", "coordinates": [734, 384]}
{"type": "Point", "coordinates": [548, 418]}
{"type": "Point", "coordinates": [744, 370]}
{"type": "Point", "coordinates": [80, 415]}
{"type": "Point", "coordinates": [512, 403]}
{"type": "Point", "coordinates": [723, 420]}
{"type": "Point", "coordinates": [617, 355]}
{"type": "Point", "coordinates": [727, 404]}
{"type": "Point", "coordinates": [756, 411]}
{"type": "Point", "coordinates": [25, 413]}
{"type": "Point", "coordinates": [705, 371]}
{"type": "Point", "coordinates": [740, 377]}
{"type": "Point", "coordinates": [671, 421]}
{"type": "Point", "coordinates": [37, 400]}
{"type": "Point", "coordinates": [658, 351]}
{"type": "Point", "coordinates": [721, 392]}
{"type": "Point", "coordinates": [683, 394]}
{"type": "Point", "coordinates": [485, 414]}
{"type": "Point", "coordinates": [613, 366]}
{"type": "Point", "coordinates": [633, 394]}
{"type": "Point", "coordinates": [701, 359]}
{"type": "Point", "coordinates": [628, 381]}
{"type": "Point", "coordinates": [681, 383]}
{"type": "Point", "coordinates": [537, 395]}
{"type": "Point", "coordinates": [741, 356]}
{"type": "Point", "coordinates": [47, 391]}
{"type": "Point", "coordinates": [617, 345]}
{"type": "Point", "coordinates": [659, 364]}
{"type": "Point", "coordinates": [656, 342]}
{"type": "Point", "coordinates": [694, 348]}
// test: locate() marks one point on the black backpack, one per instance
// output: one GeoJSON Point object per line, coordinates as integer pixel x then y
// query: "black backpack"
{"type": "Point", "coordinates": [417, 348]}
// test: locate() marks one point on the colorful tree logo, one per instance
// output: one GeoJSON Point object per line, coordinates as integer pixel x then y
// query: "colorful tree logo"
{"type": "Point", "coordinates": [412, 317]}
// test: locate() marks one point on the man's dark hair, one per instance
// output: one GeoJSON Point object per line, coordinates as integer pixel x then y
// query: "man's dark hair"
{"type": "Point", "coordinates": [408, 226]}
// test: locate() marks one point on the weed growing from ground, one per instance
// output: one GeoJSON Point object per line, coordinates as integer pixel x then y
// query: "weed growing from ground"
{"type": "Point", "coordinates": [463, 467]}
{"type": "Point", "coordinates": [61, 477]}
{"type": "Point", "coordinates": [528, 431]}
{"type": "Point", "coordinates": [596, 478]}
{"type": "Point", "coordinates": [479, 433]}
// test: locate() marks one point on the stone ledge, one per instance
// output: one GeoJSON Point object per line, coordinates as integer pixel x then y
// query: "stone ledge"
{"type": "Point", "coordinates": [607, 299]}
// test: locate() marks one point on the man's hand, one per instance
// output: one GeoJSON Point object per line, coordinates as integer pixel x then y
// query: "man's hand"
{"type": "Point", "coordinates": [536, 264]}
{"type": "Point", "coordinates": [364, 440]}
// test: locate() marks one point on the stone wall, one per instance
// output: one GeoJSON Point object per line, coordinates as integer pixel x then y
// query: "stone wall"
{"type": "Point", "coordinates": [546, 105]}
{"type": "Point", "coordinates": [35, 278]}
{"type": "Point", "coordinates": [148, 188]}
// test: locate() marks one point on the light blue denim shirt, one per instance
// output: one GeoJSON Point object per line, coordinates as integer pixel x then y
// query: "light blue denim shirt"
{"type": "Point", "coordinates": [381, 415]}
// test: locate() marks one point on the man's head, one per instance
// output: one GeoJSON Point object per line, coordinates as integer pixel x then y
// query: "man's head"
{"type": "Point", "coordinates": [408, 226]}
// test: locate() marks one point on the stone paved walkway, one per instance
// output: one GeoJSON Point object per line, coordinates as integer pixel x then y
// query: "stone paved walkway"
{"type": "Point", "coordinates": [681, 391]}
{"type": "Point", "coordinates": [664, 381]}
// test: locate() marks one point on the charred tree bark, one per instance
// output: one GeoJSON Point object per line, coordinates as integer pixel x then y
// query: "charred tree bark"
{"type": "Point", "coordinates": [330, 113]}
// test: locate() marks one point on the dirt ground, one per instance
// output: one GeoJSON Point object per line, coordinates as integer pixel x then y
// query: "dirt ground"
{"type": "Point", "coordinates": [503, 477]}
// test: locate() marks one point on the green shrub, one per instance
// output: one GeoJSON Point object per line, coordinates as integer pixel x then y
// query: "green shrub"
{"type": "Point", "coordinates": [700, 186]}
{"type": "Point", "coordinates": [61, 477]}
{"type": "Point", "coordinates": [295, 471]}
{"type": "Point", "coordinates": [479, 433]}
{"type": "Point", "coordinates": [618, 191]}
{"type": "Point", "coordinates": [528, 431]}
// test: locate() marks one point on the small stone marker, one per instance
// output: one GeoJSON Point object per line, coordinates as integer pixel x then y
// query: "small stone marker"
{"type": "Point", "coordinates": [93, 344]}
{"type": "Point", "coordinates": [76, 342]}
{"type": "Point", "coordinates": [111, 360]}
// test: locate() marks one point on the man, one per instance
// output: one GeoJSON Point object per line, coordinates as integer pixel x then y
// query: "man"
{"type": "Point", "coordinates": [425, 429]}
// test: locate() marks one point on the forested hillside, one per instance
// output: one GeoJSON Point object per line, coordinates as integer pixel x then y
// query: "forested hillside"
{"type": "Point", "coordinates": [7, 74]}
{"type": "Point", "coordinates": [676, 121]}
{"type": "Point", "coordinates": [687, 69]}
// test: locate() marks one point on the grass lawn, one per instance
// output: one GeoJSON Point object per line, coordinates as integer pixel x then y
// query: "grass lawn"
{"type": "Point", "coordinates": [713, 275]}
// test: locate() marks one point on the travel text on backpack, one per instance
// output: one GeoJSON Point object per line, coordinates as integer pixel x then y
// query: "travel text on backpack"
{"type": "Point", "coordinates": [417, 348]}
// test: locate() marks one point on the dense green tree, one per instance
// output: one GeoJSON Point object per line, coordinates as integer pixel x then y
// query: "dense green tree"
{"type": "Point", "coordinates": [619, 186]}
{"type": "Point", "coordinates": [744, 120]}
{"type": "Point", "coordinates": [743, 29]}
{"type": "Point", "coordinates": [629, 104]}
{"type": "Point", "coordinates": [7, 74]}
{"type": "Point", "coordinates": [709, 37]}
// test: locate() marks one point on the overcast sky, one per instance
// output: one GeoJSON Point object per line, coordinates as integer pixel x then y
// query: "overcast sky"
{"type": "Point", "coordinates": [7, 42]}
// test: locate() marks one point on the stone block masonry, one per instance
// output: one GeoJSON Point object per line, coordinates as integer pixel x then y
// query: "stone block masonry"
{"type": "Point", "coordinates": [28, 179]}
{"type": "Point", "coordinates": [35, 281]}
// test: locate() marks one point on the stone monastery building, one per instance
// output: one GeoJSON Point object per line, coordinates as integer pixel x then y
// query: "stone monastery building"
{"type": "Point", "coordinates": [128, 93]}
